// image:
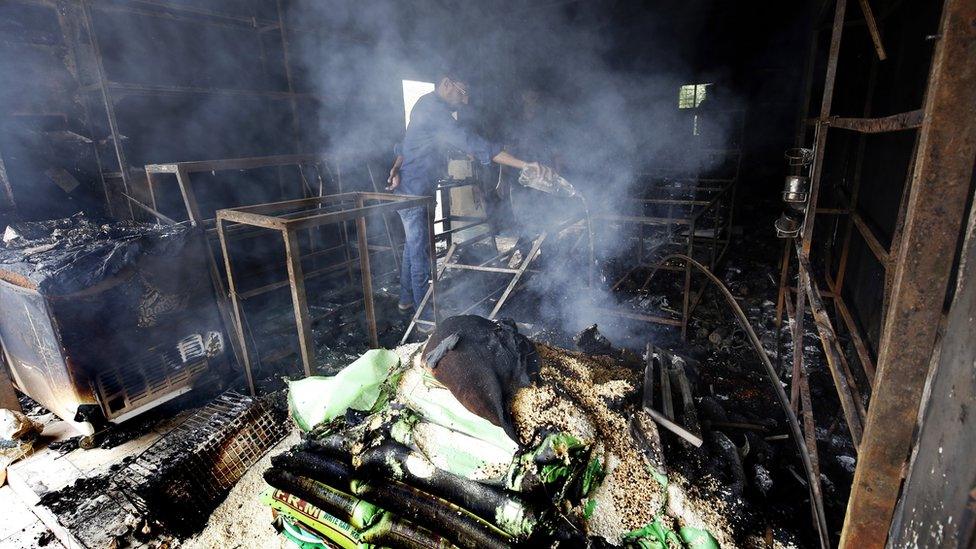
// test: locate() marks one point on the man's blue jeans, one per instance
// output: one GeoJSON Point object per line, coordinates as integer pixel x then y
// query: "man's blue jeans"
{"type": "Point", "coordinates": [415, 266]}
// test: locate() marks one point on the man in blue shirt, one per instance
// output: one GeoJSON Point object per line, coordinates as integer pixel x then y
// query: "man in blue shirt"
{"type": "Point", "coordinates": [432, 134]}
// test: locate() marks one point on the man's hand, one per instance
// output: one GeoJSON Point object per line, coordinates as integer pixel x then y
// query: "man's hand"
{"type": "Point", "coordinates": [545, 172]}
{"type": "Point", "coordinates": [394, 179]}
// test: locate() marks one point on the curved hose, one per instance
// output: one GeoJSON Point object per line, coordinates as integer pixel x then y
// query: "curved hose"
{"type": "Point", "coordinates": [816, 498]}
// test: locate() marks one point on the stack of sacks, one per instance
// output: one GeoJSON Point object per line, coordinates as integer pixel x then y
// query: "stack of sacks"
{"type": "Point", "coordinates": [485, 440]}
{"type": "Point", "coordinates": [390, 457]}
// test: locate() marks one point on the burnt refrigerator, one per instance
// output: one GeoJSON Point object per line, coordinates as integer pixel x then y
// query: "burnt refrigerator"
{"type": "Point", "coordinates": [100, 322]}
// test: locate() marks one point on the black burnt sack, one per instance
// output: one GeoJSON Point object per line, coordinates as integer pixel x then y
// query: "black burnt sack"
{"type": "Point", "coordinates": [483, 363]}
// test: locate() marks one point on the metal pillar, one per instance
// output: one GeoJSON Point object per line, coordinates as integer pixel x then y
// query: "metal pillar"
{"type": "Point", "coordinates": [936, 203]}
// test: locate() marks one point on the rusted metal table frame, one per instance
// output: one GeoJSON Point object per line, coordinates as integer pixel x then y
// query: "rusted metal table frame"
{"type": "Point", "coordinates": [910, 120]}
{"type": "Point", "coordinates": [281, 216]}
{"type": "Point", "coordinates": [443, 189]}
{"type": "Point", "coordinates": [182, 171]}
{"type": "Point", "coordinates": [724, 197]}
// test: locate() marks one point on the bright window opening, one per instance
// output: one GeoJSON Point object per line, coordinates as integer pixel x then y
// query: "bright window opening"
{"type": "Point", "coordinates": [412, 91]}
{"type": "Point", "coordinates": [691, 95]}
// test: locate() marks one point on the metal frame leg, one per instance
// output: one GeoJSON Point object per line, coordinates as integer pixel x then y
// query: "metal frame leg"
{"type": "Point", "coordinates": [299, 299]}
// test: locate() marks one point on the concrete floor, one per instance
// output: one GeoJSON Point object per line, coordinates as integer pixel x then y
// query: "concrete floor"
{"type": "Point", "coordinates": [20, 527]}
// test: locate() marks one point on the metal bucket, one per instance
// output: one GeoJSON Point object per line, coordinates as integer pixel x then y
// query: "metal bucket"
{"type": "Point", "coordinates": [799, 156]}
{"type": "Point", "coordinates": [796, 189]}
{"type": "Point", "coordinates": [787, 227]}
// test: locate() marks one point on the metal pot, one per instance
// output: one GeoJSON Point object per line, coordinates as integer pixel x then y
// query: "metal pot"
{"type": "Point", "coordinates": [787, 227]}
{"type": "Point", "coordinates": [799, 157]}
{"type": "Point", "coordinates": [796, 189]}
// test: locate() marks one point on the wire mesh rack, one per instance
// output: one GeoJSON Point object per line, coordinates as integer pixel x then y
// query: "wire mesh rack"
{"type": "Point", "coordinates": [183, 476]}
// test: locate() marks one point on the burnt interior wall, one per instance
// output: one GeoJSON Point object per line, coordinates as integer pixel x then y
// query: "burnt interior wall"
{"type": "Point", "coordinates": [42, 119]}
{"type": "Point", "coordinates": [187, 81]}
{"type": "Point", "coordinates": [208, 79]}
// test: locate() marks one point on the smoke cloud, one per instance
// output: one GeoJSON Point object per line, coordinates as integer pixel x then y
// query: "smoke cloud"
{"type": "Point", "coordinates": [608, 117]}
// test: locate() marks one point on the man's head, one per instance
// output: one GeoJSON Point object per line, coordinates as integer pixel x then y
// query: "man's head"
{"type": "Point", "coordinates": [531, 100]}
{"type": "Point", "coordinates": [453, 89]}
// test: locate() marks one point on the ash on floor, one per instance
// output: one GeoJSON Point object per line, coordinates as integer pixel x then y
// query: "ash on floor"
{"type": "Point", "coordinates": [242, 520]}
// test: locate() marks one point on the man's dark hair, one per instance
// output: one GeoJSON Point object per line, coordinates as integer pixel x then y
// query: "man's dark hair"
{"type": "Point", "coordinates": [453, 73]}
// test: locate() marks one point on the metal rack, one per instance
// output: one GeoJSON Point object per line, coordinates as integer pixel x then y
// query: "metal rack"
{"type": "Point", "coordinates": [181, 477]}
{"type": "Point", "coordinates": [497, 264]}
{"type": "Point", "coordinates": [917, 264]}
{"type": "Point", "coordinates": [182, 171]}
{"type": "Point", "coordinates": [291, 217]}
{"type": "Point", "coordinates": [690, 207]}
{"type": "Point", "coordinates": [448, 219]}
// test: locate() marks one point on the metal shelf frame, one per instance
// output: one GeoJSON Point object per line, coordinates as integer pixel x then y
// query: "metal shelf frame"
{"type": "Point", "coordinates": [917, 263]}
{"type": "Point", "coordinates": [290, 217]}
{"type": "Point", "coordinates": [715, 202]}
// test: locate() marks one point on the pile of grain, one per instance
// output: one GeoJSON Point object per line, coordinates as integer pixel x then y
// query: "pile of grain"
{"type": "Point", "coordinates": [573, 395]}
{"type": "Point", "coordinates": [540, 406]}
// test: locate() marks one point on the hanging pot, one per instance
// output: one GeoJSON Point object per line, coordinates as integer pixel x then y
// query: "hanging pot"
{"type": "Point", "coordinates": [787, 227]}
{"type": "Point", "coordinates": [796, 189]}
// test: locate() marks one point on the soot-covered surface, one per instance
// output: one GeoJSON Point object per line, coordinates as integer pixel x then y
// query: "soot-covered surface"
{"type": "Point", "coordinates": [765, 488]}
{"type": "Point", "coordinates": [339, 331]}
{"type": "Point", "coordinates": [67, 255]}
{"type": "Point", "coordinates": [167, 491]}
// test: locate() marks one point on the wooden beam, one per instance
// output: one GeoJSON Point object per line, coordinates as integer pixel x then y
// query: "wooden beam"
{"type": "Point", "coordinates": [894, 123]}
{"type": "Point", "coordinates": [937, 200]}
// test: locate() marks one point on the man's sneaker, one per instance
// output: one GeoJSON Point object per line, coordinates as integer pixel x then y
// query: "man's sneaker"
{"type": "Point", "coordinates": [404, 307]}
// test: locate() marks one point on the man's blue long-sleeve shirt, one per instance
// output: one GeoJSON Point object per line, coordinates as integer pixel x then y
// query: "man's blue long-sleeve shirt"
{"type": "Point", "coordinates": [431, 135]}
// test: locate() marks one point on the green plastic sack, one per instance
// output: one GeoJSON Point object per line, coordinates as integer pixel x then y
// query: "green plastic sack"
{"type": "Point", "coordinates": [435, 403]}
{"type": "Point", "coordinates": [658, 536]}
{"type": "Point", "coordinates": [696, 538]}
{"type": "Point", "coordinates": [299, 537]}
{"type": "Point", "coordinates": [319, 398]}
{"type": "Point", "coordinates": [337, 531]}
{"type": "Point", "coordinates": [455, 452]}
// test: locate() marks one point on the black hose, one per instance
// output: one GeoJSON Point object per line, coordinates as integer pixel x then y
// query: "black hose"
{"type": "Point", "coordinates": [506, 511]}
{"type": "Point", "coordinates": [392, 531]}
{"type": "Point", "coordinates": [326, 470]}
{"type": "Point", "coordinates": [335, 445]}
{"type": "Point", "coordinates": [816, 498]}
{"type": "Point", "coordinates": [443, 517]}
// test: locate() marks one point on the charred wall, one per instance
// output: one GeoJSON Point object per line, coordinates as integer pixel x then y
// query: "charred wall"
{"type": "Point", "coordinates": [43, 125]}
{"type": "Point", "coordinates": [219, 79]}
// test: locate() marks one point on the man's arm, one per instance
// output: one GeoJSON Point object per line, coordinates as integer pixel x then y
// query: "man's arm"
{"type": "Point", "coordinates": [486, 151]}
{"type": "Point", "coordinates": [394, 179]}
{"type": "Point", "coordinates": [506, 159]}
